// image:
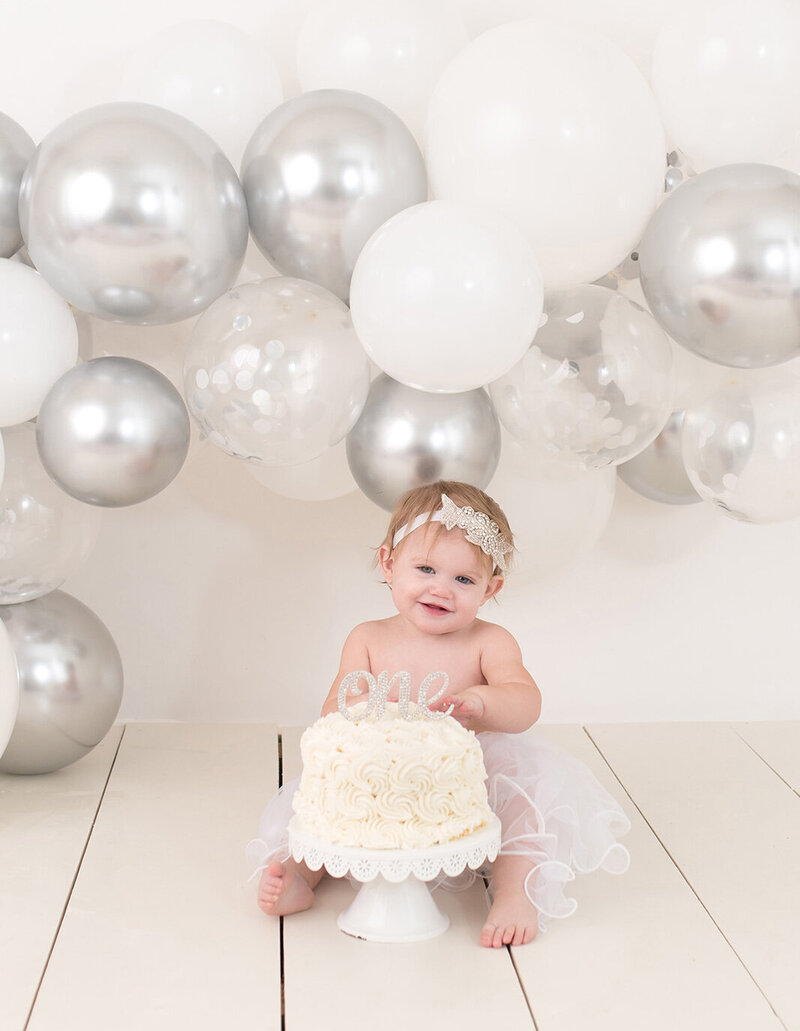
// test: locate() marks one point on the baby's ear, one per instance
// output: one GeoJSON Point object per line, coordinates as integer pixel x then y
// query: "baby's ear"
{"type": "Point", "coordinates": [386, 562]}
{"type": "Point", "coordinates": [495, 584]}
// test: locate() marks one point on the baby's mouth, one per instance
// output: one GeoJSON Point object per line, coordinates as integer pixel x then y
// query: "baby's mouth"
{"type": "Point", "coordinates": [434, 608]}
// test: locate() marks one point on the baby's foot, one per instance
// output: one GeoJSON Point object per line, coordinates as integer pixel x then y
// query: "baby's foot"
{"type": "Point", "coordinates": [284, 890]}
{"type": "Point", "coordinates": [512, 920]}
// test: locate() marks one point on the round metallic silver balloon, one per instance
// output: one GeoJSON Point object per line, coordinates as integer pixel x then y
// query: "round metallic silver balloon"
{"type": "Point", "coordinates": [16, 149]}
{"type": "Point", "coordinates": [407, 437]}
{"type": "Point", "coordinates": [113, 431]}
{"type": "Point", "coordinates": [132, 213]}
{"type": "Point", "coordinates": [321, 173]}
{"type": "Point", "coordinates": [719, 264]}
{"type": "Point", "coordinates": [658, 472]}
{"type": "Point", "coordinates": [70, 682]}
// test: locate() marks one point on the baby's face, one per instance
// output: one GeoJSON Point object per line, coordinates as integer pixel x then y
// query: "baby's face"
{"type": "Point", "coordinates": [439, 583]}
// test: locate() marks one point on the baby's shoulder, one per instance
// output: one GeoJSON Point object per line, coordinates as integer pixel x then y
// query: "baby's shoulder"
{"type": "Point", "coordinates": [492, 635]}
{"type": "Point", "coordinates": [372, 629]}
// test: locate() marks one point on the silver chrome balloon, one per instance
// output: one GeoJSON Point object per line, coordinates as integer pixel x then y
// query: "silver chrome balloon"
{"type": "Point", "coordinates": [321, 173]}
{"type": "Point", "coordinates": [407, 437]}
{"type": "Point", "coordinates": [658, 472]}
{"type": "Point", "coordinates": [132, 213]}
{"type": "Point", "coordinates": [719, 264]}
{"type": "Point", "coordinates": [16, 149]}
{"type": "Point", "coordinates": [113, 431]}
{"type": "Point", "coordinates": [70, 682]}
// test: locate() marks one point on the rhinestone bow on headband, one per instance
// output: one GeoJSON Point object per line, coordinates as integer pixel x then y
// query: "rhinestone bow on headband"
{"type": "Point", "coordinates": [478, 528]}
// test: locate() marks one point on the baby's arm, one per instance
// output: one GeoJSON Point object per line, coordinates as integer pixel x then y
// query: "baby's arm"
{"type": "Point", "coordinates": [509, 701]}
{"type": "Point", "coordinates": [355, 655]}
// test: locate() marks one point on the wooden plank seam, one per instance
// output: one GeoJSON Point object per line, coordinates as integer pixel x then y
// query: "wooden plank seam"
{"type": "Point", "coordinates": [74, 880]}
{"type": "Point", "coordinates": [758, 755]}
{"type": "Point", "coordinates": [685, 878]}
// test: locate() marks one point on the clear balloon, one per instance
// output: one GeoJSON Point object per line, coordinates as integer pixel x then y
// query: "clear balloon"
{"type": "Point", "coordinates": [726, 75]}
{"type": "Point", "coordinates": [320, 174]}
{"type": "Point", "coordinates": [658, 472]}
{"type": "Point", "coordinates": [9, 688]}
{"type": "Point", "coordinates": [741, 447]}
{"type": "Point", "coordinates": [446, 298]}
{"type": "Point", "coordinates": [212, 73]}
{"type": "Point", "coordinates": [16, 150]}
{"type": "Point", "coordinates": [39, 341]}
{"type": "Point", "coordinates": [596, 385]}
{"type": "Point", "coordinates": [392, 50]}
{"type": "Point", "coordinates": [322, 479]}
{"type": "Point", "coordinates": [579, 167]}
{"type": "Point", "coordinates": [45, 535]}
{"type": "Point", "coordinates": [557, 519]}
{"type": "Point", "coordinates": [408, 437]}
{"type": "Point", "coordinates": [274, 371]}
{"type": "Point", "coordinates": [113, 432]}
{"type": "Point", "coordinates": [134, 214]}
{"type": "Point", "coordinates": [720, 265]}
{"type": "Point", "coordinates": [70, 683]}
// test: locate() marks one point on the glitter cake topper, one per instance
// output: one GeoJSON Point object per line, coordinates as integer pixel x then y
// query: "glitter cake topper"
{"type": "Point", "coordinates": [379, 692]}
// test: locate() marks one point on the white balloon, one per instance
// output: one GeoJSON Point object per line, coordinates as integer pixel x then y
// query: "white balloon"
{"type": "Point", "coordinates": [322, 479]}
{"type": "Point", "coordinates": [9, 689]}
{"type": "Point", "coordinates": [38, 341]}
{"type": "Point", "coordinates": [556, 519]}
{"type": "Point", "coordinates": [212, 73]}
{"type": "Point", "coordinates": [446, 298]}
{"type": "Point", "coordinates": [726, 75]}
{"type": "Point", "coordinates": [392, 50]}
{"type": "Point", "coordinates": [558, 130]}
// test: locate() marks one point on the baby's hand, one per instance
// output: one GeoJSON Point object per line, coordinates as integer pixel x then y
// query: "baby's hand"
{"type": "Point", "coordinates": [468, 707]}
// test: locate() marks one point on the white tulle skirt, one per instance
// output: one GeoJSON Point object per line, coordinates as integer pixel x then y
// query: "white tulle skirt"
{"type": "Point", "coordinates": [552, 809]}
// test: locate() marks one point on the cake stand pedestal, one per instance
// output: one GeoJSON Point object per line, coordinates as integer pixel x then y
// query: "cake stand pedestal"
{"type": "Point", "coordinates": [394, 903]}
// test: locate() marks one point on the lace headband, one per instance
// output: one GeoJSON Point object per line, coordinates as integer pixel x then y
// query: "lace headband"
{"type": "Point", "coordinates": [478, 528]}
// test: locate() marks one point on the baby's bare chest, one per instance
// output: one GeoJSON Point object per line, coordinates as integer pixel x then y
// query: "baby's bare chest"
{"type": "Point", "coordinates": [461, 664]}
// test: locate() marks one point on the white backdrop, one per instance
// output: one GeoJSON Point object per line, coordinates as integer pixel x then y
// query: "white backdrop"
{"type": "Point", "coordinates": [231, 603]}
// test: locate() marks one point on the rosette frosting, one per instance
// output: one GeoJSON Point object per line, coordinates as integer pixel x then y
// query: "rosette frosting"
{"type": "Point", "coordinates": [390, 782]}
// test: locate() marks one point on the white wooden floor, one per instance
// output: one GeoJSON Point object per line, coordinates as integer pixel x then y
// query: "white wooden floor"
{"type": "Point", "coordinates": [124, 903]}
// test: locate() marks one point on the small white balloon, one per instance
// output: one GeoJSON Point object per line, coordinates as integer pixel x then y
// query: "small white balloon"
{"type": "Point", "coordinates": [726, 75]}
{"type": "Point", "coordinates": [392, 50]}
{"type": "Point", "coordinates": [212, 73]}
{"type": "Point", "coordinates": [322, 479]}
{"type": "Point", "coordinates": [39, 341]}
{"type": "Point", "coordinates": [446, 298]}
{"type": "Point", "coordinates": [556, 129]}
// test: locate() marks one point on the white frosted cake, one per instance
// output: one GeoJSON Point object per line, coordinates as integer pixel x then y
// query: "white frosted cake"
{"type": "Point", "coordinates": [390, 782]}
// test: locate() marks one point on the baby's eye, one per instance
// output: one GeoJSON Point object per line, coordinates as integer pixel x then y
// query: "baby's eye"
{"type": "Point", "coordinates": [425, 569]}
{"type": "Point", "coordinates": [464, 580]}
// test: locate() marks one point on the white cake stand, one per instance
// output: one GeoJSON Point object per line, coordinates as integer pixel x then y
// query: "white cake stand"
{"type": "Point", "coordinates": [394, 903]}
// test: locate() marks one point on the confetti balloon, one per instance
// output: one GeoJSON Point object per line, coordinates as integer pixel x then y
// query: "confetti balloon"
{"type": "Point", "coordinates": [70, 683]}
{"type": "Point", "coordinates": [274, 371]}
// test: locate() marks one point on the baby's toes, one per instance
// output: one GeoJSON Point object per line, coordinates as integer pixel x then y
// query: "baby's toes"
{"type": "Point", "coordinates": [509, 934]}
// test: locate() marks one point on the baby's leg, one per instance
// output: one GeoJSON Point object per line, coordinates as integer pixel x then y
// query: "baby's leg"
{"type": "Point", "coordinates": [512, 919]}
{"type": "Point", "coordinates": [287, 887]}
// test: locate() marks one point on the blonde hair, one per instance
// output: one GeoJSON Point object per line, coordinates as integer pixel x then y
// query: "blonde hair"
{"type": "Point", "coordinates": [428, 499]}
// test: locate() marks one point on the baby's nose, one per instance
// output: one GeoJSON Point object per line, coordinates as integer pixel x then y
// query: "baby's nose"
{"type": "Point", "coordinates": [440, 589]}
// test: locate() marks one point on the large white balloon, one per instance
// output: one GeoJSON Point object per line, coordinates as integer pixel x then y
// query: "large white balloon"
{"type": "Point", "coordinates": [9, 689]}
{"type": "Point", "coordinates": [210, 72]}
{"type": "Point", "coordinates": [392, 50]}
{"type": "Point", "coordinates": [557, 519]}
{"type": "Point", "coordinates": [446, 298]}
{"type": "Point", "coordinates": [557, 129]}
{"type": "Point", "coordinates": [741, 447]}
{"type": "Point", "coordinates": [727, 78]}
{"type": "Point", "coordinates": [38, 341]}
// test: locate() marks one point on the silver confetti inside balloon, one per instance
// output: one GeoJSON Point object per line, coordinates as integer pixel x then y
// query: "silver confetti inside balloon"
{"type": "Point", "coordinates": [720, 265]}
{"type": "Point", "coordinates": [132, 213]}
{"type": "Point", "coordinates": [321, 173]}
{"type": "Point", "coordinates": [113, 431]}
{"type": "Point", "coordinates": [407, 437]}
{"type": "Point", "coordinates": [70, 682]}
{"type": "Point", "coordinates": [658, 472]}
{"type": "Point", "coordinates": [16, 149]}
